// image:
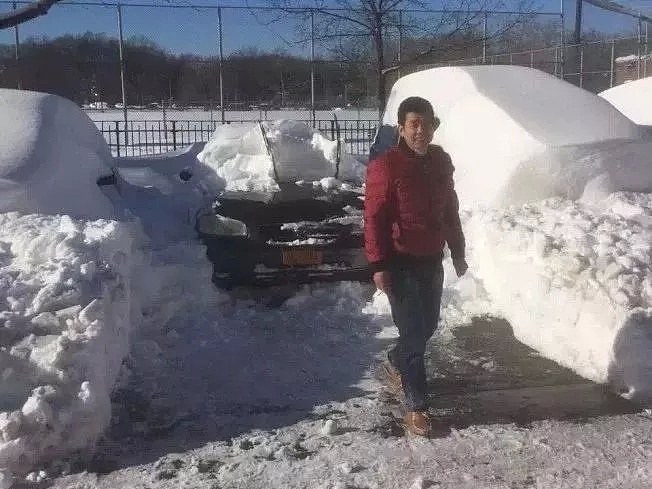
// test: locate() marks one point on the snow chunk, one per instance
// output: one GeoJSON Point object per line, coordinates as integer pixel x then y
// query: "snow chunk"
{"type": "Point", "coordinates": [330, 428]}
{"type": "Point", "coordinates": [634, 99]}
{"type": "Point", "coordinates": [50, 151]}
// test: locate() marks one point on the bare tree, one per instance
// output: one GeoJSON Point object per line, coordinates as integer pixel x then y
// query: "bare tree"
{"type": "Point", "coordinates": [349, 26]}
{"type": "Point", "coordinates": [29, 12]}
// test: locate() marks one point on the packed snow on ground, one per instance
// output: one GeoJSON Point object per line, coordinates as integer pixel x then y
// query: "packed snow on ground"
{"type": "Point", "coordinates": [256, 158]}
{"type": "Point", "coordinates": [306, 412]}
{"type": "Point", "coordinates": [51, 154]}
{"type": "Point", "coordinates": [495, 119]}
{"type": "Point", "coordinates": [634, 99]}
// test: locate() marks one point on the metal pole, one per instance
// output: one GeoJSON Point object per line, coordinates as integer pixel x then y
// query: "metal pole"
{"type": "Point", "coordinates": [312, 64]}
{"type": "Point", "coordinates": [578, 22]}
{"type": "Point", "coordinates": [219, 20]}
{"type": "Point", "coordinates": [581, 66]}
{"type": "Point", "coordinates": [17, 54]}
{"type": "Point", "coordinates": [400, 40]}
{"type": "Point", "coordinates": [531, 59]}
{"type": "Point", "coordinates": [613, 64]}
{"type": "Point", "coordinates": [122, 71]}
{"type": "Point", "coordinates": [562, 40]}
{"type": "Point", "coordinates": [647, 24]}
{"type": "Point", "coordinates": [484, 38]}
{"type": "Point", "coordinates": [640, 46]}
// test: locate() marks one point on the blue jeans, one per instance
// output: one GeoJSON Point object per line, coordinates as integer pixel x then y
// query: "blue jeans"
{"type": "Point", "coordinates": [415, 299]}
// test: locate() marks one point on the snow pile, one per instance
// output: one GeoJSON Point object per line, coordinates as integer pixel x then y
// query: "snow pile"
{"type": "Point", "coordinates": [51, 155]}
{"type": "Point", "coordinates": [67, 308]}
{"type": "Point", "coordinates": [164, 192]}
{"type": "Point", "coordinates": [575, 283]}
{"type": "Point", "coordinates": [303, 153]}
{"type": "Point", "coordinates": [255, 158]}
{"type": "Point", "coordinates": [494, 118]}
{"type": "Point", "coordinates": [66, 298]}
{"type": "Point", "coordinates": [634, 99]}
{"type": "Point", "coordinates": [238, 157]}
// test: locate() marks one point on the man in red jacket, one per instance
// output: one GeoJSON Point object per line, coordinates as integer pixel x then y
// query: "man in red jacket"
{"type": "Point", "coordinates": [411, 212]}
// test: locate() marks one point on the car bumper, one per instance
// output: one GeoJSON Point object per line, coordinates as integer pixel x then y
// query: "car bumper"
{"type": "Point", "coordinates": [240, 262]}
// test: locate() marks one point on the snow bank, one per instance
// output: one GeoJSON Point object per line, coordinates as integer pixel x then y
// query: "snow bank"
{"type": "Point", "coordinates": [244, 158]}
{"type": "Point", "coordinates": [575, 283]}
{"type": "Point", "coordinates": [494, 118]}
{"type": "Point", "coordinates": [634, 99]}
{"type": "Point", "coordinates": [67, 308]}
{"type": "Point", "coordinates": [51, 154]}
{"type": "Point", "coordinates": [67, 302]}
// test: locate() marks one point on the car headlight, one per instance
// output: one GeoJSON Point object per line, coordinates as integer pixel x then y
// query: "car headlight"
{"type": "Point", "coordinates": [221, 226]}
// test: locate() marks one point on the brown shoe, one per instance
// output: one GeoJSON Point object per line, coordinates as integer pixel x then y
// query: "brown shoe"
{"type": "Point", "coordinates": [390, 376]}
{"type": "Point", "coordinates": [418, 423]}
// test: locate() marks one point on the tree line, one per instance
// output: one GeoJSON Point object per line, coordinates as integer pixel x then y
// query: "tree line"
{"type": "Point", "coordinates": [85, 68]}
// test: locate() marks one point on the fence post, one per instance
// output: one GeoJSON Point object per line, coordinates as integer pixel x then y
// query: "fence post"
{"type": "Point", "coordinates": [174, 135]}
{"type": "Point", "coordinates": [640, 47]}
{"type": "Point", "coordinates": [17, 54]}
{"type": "Point", "coordinates": [484, 38]}
{"type": "Point", "coordinates": [581, 66]}
{"type": "Point", "coordinates": [312, 65]}
{"type": "Point", "coordinates": [612, 68]}
{"type": "Point", "coordinates": [219, 18]}
{"type": "Point", "coordinates": [645, 50]}
{"type": "Point", "coordinates": [122, 69]}
{"type": "Point", "coordinates": [531, 59]}
{"type": "Point", "coordinates": [117, 136]}
{"type": "Point", "coordinates": [562, 40]}
{"type": "Point", "coordinates": [400, 40]}
{"type": "Point", "coordinates": [332, 130]}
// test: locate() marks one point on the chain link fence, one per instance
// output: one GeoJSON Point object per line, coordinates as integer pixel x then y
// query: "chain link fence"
{"type": "Point", "coordinates": [230, 64]}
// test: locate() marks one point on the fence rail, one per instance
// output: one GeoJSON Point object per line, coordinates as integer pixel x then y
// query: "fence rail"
{"type": "Point", "coordinates": [147, 137]}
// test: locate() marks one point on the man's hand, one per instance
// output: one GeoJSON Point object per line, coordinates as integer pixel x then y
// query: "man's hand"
{"type": "Point", "coordinates": [383, 281]}
{"type": "Point", "coordinates": [460, 266]}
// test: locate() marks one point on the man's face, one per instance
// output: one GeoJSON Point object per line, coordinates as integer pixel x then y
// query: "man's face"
{"type": "Point", "coordinates": [417, 132]}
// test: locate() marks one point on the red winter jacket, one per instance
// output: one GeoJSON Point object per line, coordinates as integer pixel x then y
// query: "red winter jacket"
{"type": "Point", "coordinates": [411, 207]}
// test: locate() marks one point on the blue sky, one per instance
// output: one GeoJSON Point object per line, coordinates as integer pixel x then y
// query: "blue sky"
{"type": "Point", "coordinates": [195, 31]}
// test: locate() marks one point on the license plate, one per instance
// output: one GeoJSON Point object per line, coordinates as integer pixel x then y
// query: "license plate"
{"type": "Point", "coordinates": [302, 257]}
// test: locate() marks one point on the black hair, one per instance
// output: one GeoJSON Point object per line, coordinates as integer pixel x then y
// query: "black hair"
{"type": "Point", "coordinates": [417, 105]}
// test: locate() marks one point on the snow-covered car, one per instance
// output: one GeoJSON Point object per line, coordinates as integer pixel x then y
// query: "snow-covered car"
{"type": "Point", "coordinates": [289, 208]}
